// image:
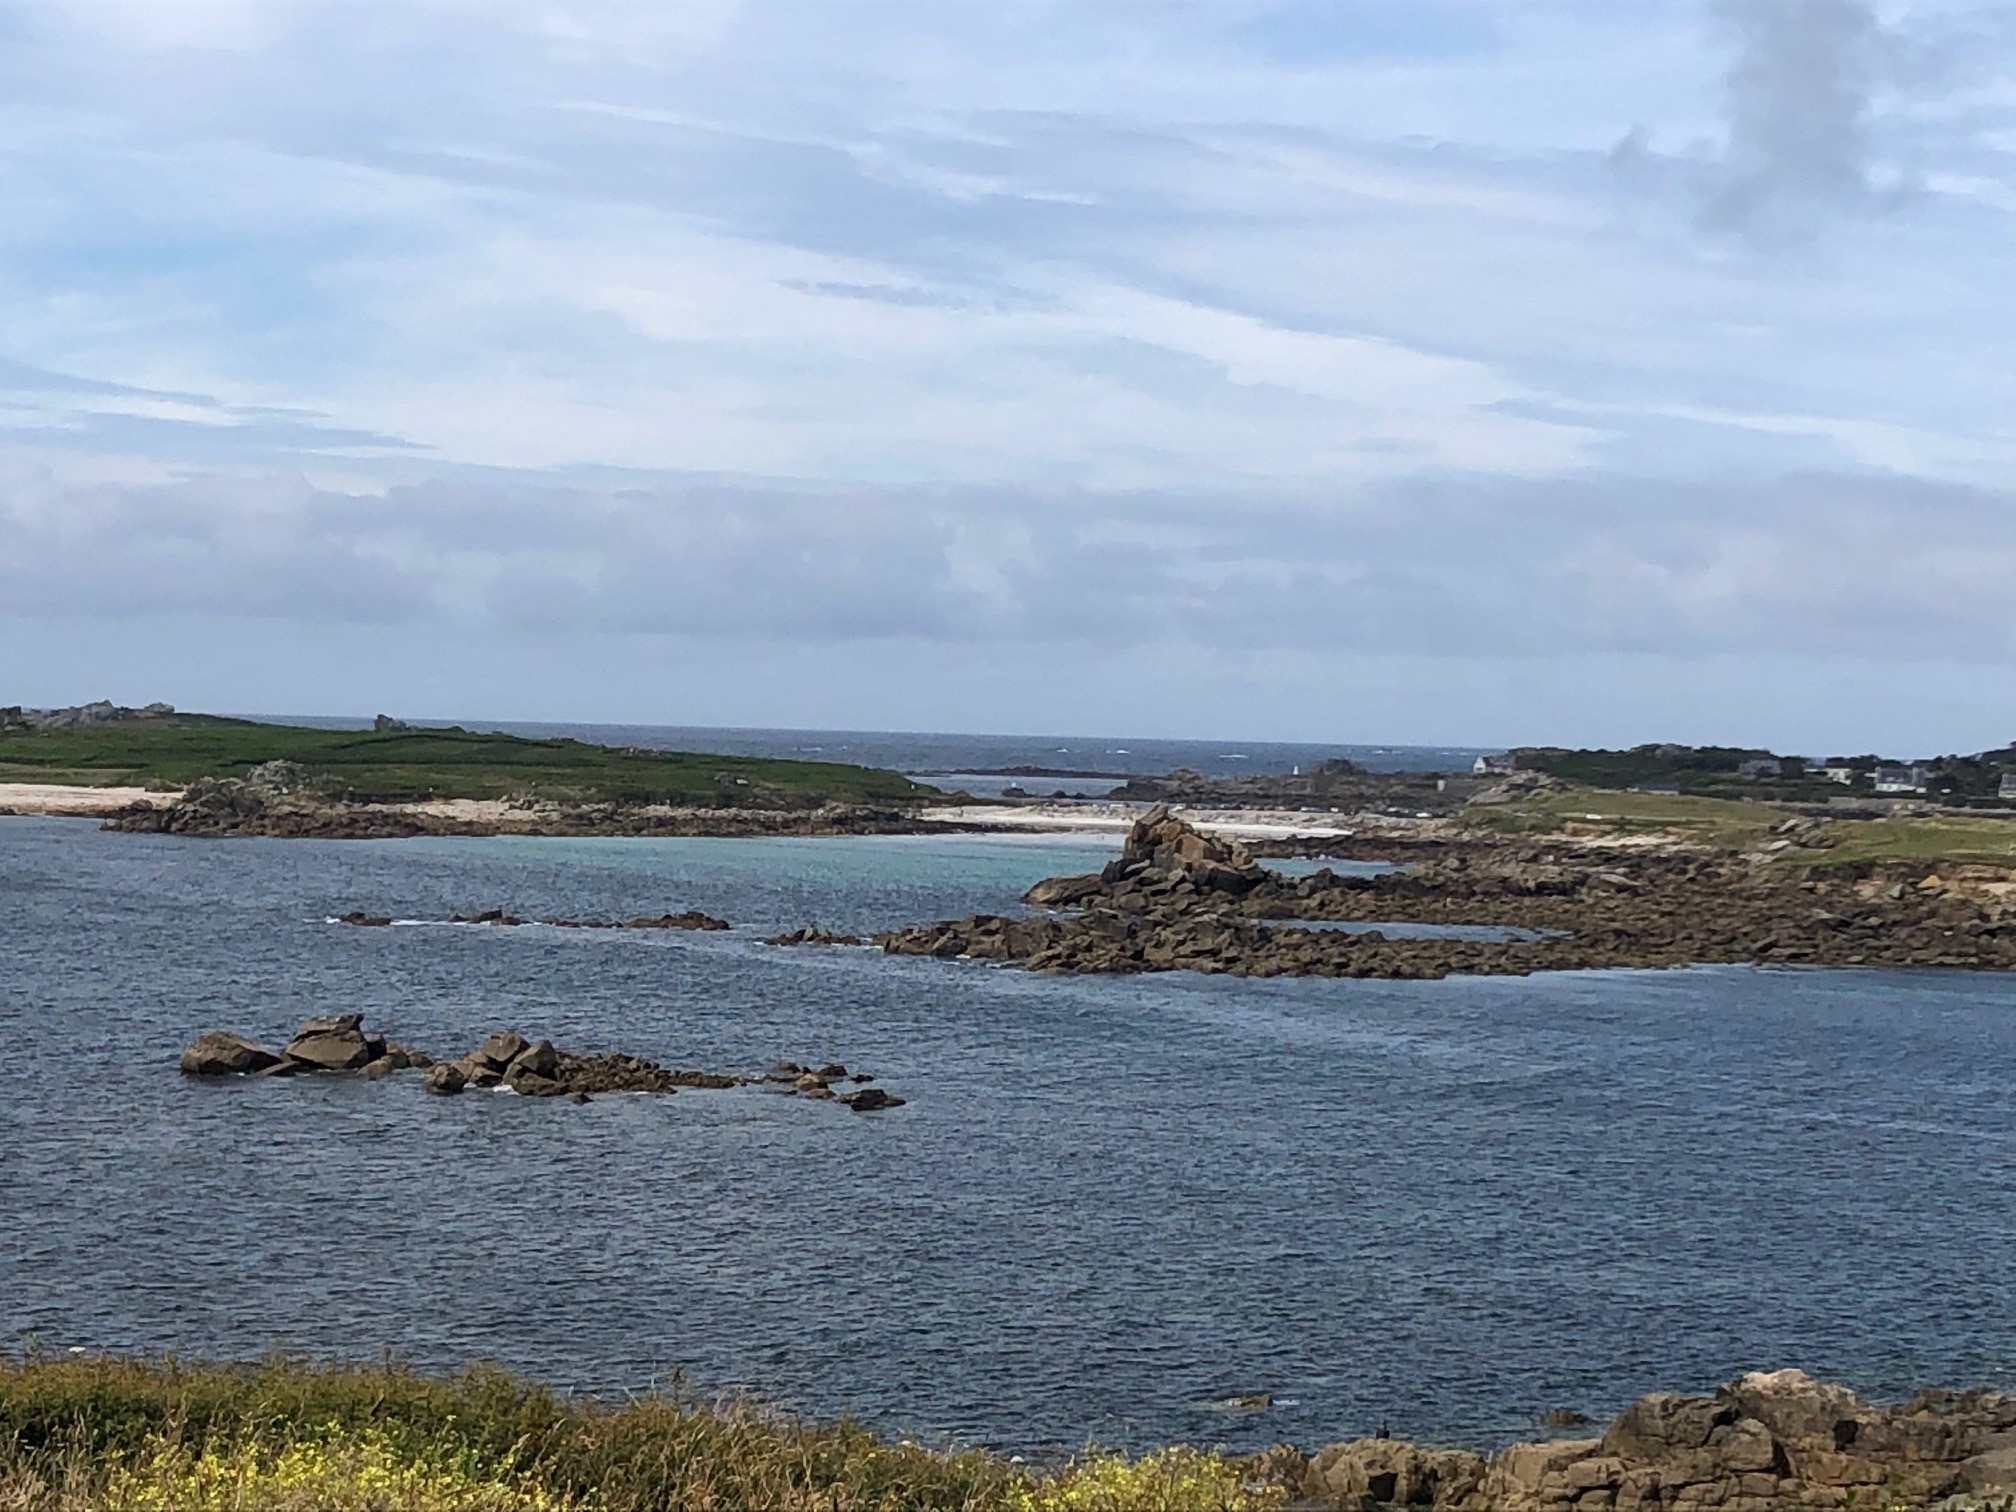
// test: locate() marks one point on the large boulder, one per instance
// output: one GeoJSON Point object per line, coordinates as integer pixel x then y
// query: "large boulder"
{"type": "Point", "coordinates": [334, 1042]}
{"type": "Point", "coordinates": [1162, 839]}
{"type": "Point", "coordinates": [499, 1050]}
{"type": "Point", "coordinates": [219, 1053]}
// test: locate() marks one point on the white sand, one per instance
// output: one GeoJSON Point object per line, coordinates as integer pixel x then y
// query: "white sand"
{"type": "Point", "coordinates": [1065, 818]}
{"type": "Point", "coordinates": [52, 798]}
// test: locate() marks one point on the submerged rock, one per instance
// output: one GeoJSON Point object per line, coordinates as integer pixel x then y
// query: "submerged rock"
{"type": "Point", "coordinates": [869, 1100]}
{"type": "Point", "coordinates": [812, 934]}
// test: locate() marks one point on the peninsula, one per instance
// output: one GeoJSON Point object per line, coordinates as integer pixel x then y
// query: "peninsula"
{"type": "Point", "coordinates": [155, 770]}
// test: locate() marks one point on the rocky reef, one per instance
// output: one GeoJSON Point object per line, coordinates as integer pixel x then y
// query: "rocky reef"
{"type": "Point", "coordinates": [1776, 1441]}
{"type": "Point", "coordinates": [337, 1044]}
{"type": "Point", "coordinates": [276, 800]}
{"type": "Point", "coordinates": [692, 918]}
{"type": "Point", "coordinates": [1177, 899]}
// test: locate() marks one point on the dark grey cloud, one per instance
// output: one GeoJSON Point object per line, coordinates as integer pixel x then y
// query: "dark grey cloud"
{"type": "Point", "coordinates": [1798, 98]}
{"type": "Point", "coordinates": [1811, 132]}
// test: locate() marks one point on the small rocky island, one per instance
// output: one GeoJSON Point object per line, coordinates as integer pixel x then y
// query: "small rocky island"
{"type": "Point", "coordinates": [1178, 899]}
{"type": "Point", "coordinates": [337, 1044]}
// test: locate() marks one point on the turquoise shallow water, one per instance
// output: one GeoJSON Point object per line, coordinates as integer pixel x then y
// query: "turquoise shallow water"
{"type": "Point", "coordinates": [1110, 1201]}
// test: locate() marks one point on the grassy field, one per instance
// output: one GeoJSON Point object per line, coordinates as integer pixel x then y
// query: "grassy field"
{"type": "Point", "coordinates": [104, 1435]}
{"type": "Point", "coordinates": [421, 763]}
{"type": "Point", "coordinates": [1736, 824]}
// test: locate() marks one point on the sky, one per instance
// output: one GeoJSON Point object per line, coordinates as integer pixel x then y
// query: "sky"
{"type": "Point", "coordinates": [1440, 371]}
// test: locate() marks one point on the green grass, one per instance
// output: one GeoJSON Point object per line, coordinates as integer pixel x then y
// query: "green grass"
{"type": "Point", "coordinates": [1727, 822]}
{"type": "Point", "coordinates": [109, 1435]}
{"type": "Point", "coordinates": [1955, 840]}
{"type": "Point", "coordinates": [423, 763]}
{"type": "Point", "coordinates": [1737, 824]}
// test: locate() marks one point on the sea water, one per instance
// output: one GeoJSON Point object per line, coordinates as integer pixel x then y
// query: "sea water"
{"type": "Point", "coordinates": [1109, 1203]}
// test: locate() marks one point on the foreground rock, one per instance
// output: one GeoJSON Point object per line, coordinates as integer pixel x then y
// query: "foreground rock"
{"type": "Point", "coordinates": [1176, 899]}
{"type": "Point", "coordinates": [1769, 1442]}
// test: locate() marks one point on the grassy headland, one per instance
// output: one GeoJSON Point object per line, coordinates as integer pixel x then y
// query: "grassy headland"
{"type": "Point", "coordinates": [112, 1435]}
{"type": "Point", "coordinates": [404, 765]}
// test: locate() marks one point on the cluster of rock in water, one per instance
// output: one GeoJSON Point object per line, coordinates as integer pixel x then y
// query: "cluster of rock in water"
{"type": "Point", "coordinates": [338, 1043]}
{"type": "Point", "coordinates": [1775, 1441]}
{"type": "Point", "coordinates": [692, 918]}
{"type": "Point", "coordinates": [1176, 899]}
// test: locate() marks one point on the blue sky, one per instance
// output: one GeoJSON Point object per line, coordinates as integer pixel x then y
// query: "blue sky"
{"type": "Point", "coordinates": [1436, 370]}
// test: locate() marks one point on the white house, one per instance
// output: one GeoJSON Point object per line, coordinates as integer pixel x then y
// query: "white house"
{"type": "Point", "coordinates": [2008, 788]}
{"type": "Point", "coordinates": [1501, 765]}
{"type": "Point", "coordinates": [1845, 775]}
{"type": "Point", "coordinates": [1900, 779]}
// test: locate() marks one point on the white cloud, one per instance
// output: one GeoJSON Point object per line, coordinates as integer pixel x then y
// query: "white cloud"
{"type": "Point", "coordinates": [994, 323]}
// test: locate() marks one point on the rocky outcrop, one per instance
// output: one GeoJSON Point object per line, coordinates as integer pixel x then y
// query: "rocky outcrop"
{"type": "Point", "coordinates": [1776, 1441]}
{"type": "Point", "coordinates": [692, 918]}
{"type": "Point", "coordinates": [339, 1044]}
{"type": "Point", "coordinates": [268, 802]}
{"type": "Point", "coordinates": [1178, 900]}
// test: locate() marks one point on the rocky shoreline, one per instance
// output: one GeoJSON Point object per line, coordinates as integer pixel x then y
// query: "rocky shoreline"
{"type": "Point", "coordinates": [1176, 899]}
{"type": "Point", "coordinates": [1776, 1441]}
{"type": "Point", "coordinates": [338, 1045]}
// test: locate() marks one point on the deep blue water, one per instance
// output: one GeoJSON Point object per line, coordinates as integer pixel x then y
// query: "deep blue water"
{"type": "Point", "coordinates": [1447, 1204]}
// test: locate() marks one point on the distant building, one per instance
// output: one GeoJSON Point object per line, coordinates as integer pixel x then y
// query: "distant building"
{"type": "Point", "coordinates": [1501, 765]}
{"type": "Point", "coordinates": [1761, 766]}
{"type": "Point", "coordinates": [1845, 775]}
{"type": "Point", "coordinates": [2008, 788]}
{"type": "Point", "coordinates": [1900, 779]}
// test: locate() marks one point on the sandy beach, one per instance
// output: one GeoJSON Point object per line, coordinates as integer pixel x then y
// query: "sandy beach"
{"type": "Point", "coordinates": [48, 798]}
{"type": "Point", "coordinates": [1069, 818]}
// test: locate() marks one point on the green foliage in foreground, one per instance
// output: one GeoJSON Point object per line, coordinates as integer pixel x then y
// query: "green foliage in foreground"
{"type": "Point", "coordinates": [423, 763]}
{"type": "Point", "coordinates": [160, 1436]}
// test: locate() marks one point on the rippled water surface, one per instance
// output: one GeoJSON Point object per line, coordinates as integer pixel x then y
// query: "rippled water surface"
{"type": "Point", "coordinates": [1448, 1204]}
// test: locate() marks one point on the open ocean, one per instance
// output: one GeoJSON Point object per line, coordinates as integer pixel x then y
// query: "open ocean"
{"type": "Point", "coordinates": [1111, 1201]}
